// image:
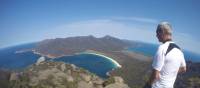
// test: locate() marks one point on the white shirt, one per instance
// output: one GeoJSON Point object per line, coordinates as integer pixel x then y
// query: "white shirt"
{"type": "Point", "coordinates": [168, 65]}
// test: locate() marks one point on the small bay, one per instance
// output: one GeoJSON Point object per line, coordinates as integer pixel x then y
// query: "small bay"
{"type": "Point", "coordinates": [98, 65]}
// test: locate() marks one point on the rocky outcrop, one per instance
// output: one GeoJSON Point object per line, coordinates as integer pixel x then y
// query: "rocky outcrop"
{"type": "Point", "coordinates": [60, 75]}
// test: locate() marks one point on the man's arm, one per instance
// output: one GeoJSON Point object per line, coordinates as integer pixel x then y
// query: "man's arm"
{"type": "Point", "coordinates": [154, 76]}
{"type": "Point", "coordinates": [182, 69]}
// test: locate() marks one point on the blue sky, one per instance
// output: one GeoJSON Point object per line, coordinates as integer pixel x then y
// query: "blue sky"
{"type": "Point", "coordinates": [23, 21]}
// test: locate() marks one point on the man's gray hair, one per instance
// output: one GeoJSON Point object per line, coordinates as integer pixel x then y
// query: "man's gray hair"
{"type": "Point", "coordinates": [164, 27]}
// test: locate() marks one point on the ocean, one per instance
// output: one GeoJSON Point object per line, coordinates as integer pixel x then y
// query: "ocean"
{"type": "Point", "coordinates": [17, 61]}
{"type": "Point", "coordinates": [9, 59]}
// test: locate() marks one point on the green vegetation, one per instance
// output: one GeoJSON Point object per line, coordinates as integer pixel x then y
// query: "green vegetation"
{"type": "Point", "coordinates": [109, 81]}
{"type": "Point", "coordinates": [194, 81]}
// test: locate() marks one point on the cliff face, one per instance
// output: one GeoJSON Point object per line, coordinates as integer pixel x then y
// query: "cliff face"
{"type": "Point", "coordinates": [61, 75]}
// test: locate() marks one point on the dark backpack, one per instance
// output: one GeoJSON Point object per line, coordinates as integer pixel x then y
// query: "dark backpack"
{"type": "Point", "coordinates": [170, 47]}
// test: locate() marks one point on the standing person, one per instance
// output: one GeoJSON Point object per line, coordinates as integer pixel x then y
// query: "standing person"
{"type": "Point", "coordinates": [168, 61]}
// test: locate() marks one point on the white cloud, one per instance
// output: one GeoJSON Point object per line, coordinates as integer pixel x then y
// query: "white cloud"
{"type": "Point", "coordinates": [98, 28]}
{"type": "Point", "coordinates": [103, 27]}
{"type": "Point", "coordinates": [138, 19]}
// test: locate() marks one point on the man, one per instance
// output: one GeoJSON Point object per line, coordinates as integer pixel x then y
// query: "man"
{"type": "Point", "coordinates": [168, 61]}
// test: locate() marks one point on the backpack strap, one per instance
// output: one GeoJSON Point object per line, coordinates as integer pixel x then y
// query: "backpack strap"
{"type": "Point", "coordinates": [170, 47]}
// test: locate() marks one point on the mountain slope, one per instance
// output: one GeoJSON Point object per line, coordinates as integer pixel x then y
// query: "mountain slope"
{"type": "Point", "coordinates": [68, 46]}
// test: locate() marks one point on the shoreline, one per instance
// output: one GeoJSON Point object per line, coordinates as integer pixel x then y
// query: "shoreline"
{"type": "Point", "coordinates": [86, 52]}
{"type": "Point", "coordinates": [112, 60]}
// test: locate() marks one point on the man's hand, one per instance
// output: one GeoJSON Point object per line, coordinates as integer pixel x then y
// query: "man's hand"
{"type": "Point", "coordinates": [182, 70]}
{"type": "Point", "coordinates": [154, 76]}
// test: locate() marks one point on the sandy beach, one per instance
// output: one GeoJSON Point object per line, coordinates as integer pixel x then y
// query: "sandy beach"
{"type": "Point", "coordinates": [112, 60]}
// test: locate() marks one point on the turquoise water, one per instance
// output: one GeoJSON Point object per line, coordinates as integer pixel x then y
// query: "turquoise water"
{"type": "Point", "coordinates": [144, 48]}
{"type": "Point", "coordinates": [93, 63]}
